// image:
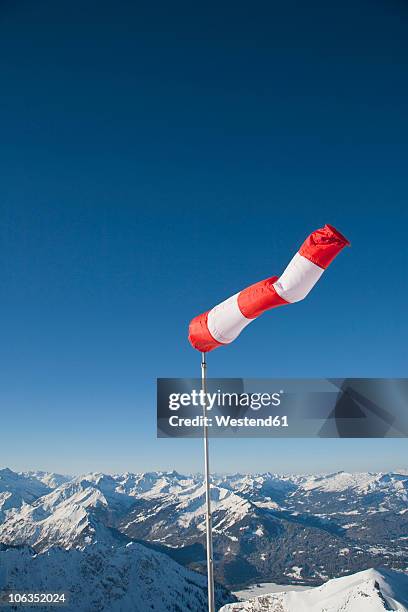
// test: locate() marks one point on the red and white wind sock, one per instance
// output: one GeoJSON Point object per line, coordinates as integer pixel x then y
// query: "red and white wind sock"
{"type": "Point", "coordinates": [223, 323]}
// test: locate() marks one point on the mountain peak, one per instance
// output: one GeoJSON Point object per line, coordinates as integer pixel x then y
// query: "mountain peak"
{"type": "Point", "coordinates": [108, 579]}
{"type": "Point", "coordinates": [7, 473]}
{"type": "Point", "coordinates": [371, 590]}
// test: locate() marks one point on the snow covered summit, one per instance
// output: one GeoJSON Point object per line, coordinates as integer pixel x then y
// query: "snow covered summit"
{"type": "Point", "coordinates": [102, 578]}
{"type": "Point", "coordinates": [367, 591]}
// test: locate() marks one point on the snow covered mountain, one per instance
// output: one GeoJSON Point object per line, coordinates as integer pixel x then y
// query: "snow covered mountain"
{"type": "Point", "coordinates": [100, 578]}
{"type": "Point", "coordinates": [73, 515]}
{"type": "Point", "coordinates": [50, 479]}
{"type": "Point", "coordinates": [187, 507]}
{"type": "Point", "coordinates": [18, 488]}
{"type": "Point", "coordinates": [367, 591]}
{"type": "Point", "coordinates": [267, 527]}
{"type": "Point", "coordinates": [153, 484]}
{"type": "Point", "coordinates": [388, 489]}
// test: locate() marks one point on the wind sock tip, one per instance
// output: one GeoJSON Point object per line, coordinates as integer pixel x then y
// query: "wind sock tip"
{"type": "Point", "coordinates": [338, 234]}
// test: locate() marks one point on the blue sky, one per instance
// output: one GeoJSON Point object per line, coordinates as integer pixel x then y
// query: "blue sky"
{"type": "Point", "coordinates": [156, 160]}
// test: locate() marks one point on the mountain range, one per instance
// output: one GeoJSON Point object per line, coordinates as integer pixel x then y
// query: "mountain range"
{"type": "Point", "coordinates": [267, 527]}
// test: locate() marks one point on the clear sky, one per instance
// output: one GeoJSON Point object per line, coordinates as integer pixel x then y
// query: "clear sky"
{"type": "Point", "coordinates": [156, 159]}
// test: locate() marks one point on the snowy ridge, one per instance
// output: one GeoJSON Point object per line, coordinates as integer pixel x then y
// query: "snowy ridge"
{"type": "Point", "coordinates": [15, 489]}
{"type": "Point", "coordinates": [367, 591]}
{"type": "Point", "coordinates": [49, 479]}
{"type": "Point", "coordinates": [188, 507]}
{"type": "Point", "coordinates": [364, 482]}
{"type": "Point", "coordinates": [101, 579]}
{"type": "Point", "coordinates": [66, 517]}
{"type": "Point", "coordinates": [152, 484]}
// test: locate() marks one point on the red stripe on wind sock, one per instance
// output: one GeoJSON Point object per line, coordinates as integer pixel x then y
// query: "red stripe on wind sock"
{"type": "Point", "coordinates": [199, 334]}
{"type": "Point", "coordinates": [323, 245]}
{"type": "Point", "coordinates": [257, 298]}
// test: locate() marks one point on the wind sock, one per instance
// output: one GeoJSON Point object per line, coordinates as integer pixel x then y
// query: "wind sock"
{"type": "Point", "coordinates": [223, 323]}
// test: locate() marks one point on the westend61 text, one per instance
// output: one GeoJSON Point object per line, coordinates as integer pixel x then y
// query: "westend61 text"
{"type": "Point", "coordinates": [227, 421]}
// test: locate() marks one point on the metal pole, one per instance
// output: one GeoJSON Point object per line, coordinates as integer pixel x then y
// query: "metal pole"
{"type": "Point", "coordinates": [208, 519]}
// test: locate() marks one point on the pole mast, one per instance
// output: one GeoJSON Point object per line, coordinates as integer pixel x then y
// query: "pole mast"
{"type": "Point", "coordinates": [208, 518]}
